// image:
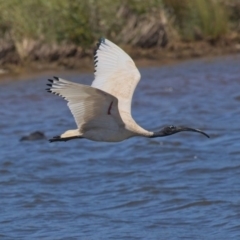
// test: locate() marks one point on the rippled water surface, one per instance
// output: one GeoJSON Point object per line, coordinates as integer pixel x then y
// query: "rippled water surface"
{"type": "Point", "coordinates": [183, 186]}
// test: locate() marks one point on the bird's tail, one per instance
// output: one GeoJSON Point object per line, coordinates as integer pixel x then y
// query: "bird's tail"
{"type": "Point", "coordinates": [68, 135]}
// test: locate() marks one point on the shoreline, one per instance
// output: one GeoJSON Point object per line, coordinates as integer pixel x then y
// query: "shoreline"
{"type": "Point", "coordinates": [172, 54]}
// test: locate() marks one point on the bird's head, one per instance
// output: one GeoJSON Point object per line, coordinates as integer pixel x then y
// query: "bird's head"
{"type": "Point", "coordinates": [169, 130]}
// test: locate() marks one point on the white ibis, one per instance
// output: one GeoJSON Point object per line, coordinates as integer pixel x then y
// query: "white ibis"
{"type": "Point", "coordinates": [102, 111]}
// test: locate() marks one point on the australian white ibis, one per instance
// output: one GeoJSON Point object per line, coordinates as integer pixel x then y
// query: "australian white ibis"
{"type": "Point", "coordinates": [102, 111]}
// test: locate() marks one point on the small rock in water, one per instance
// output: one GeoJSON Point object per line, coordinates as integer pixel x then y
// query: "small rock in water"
{"type": "Point", "coordinates": [33, 136]}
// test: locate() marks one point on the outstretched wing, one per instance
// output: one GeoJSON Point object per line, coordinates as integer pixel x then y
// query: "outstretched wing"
{"type": "Point", "coordinates": [115, 73]}
{"type": "Point", "coordinates": [90, 107]}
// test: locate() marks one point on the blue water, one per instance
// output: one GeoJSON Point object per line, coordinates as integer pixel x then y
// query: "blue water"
{"type": "Point", "coordinates": [184, 186]}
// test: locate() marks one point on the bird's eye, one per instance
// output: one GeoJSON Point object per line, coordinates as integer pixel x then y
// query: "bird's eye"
{"type": "Point", "coordinates": [170, 129]}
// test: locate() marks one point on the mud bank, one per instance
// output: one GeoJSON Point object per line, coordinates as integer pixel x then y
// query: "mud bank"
{"type": "Point", "coordinates": [32, 57]}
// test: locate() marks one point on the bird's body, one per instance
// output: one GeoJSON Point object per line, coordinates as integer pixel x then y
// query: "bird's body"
{"type": "Point", "coordinates": [102, 111]}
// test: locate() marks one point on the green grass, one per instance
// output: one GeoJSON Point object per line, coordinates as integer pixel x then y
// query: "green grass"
{"type": "Point", "coordinates": [207, 19]}
{"type": "Point", "coordinates": [50, 21]}
{"type": "Point", "coordinates": [76, 21]}
{"type": "Point", "coordinates": [83, 21]}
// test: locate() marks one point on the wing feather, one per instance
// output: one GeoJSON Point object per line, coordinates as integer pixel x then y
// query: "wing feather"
{"type": "Point", "coordinates": [89, 106]}
{"type": "Point", "coordinates": [115, 73]}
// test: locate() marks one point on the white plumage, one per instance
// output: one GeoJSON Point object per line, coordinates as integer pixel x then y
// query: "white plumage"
{"type": "Point", "coordinates": [102, 111]}
{"type": "Point", "coordinates": [116, 74]}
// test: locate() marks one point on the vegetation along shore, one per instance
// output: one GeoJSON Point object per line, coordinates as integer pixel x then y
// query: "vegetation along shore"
{"type": "Point", "coordinates": [47, 34]}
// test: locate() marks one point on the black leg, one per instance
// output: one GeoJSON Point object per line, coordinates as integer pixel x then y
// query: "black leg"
{"type": "Point", "coordinates": [59, 139]}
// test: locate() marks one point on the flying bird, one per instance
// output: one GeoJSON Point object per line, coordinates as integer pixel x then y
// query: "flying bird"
{"type": "Point", "coordinates": [102, 111]}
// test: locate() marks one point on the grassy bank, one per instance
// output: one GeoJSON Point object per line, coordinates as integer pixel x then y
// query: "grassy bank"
{"type": "Point", "coordinates": [50, 30]}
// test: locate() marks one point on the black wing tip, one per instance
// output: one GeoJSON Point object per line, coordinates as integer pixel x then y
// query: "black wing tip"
{"type": "Point", "coordinates": [95, 57]}
{"type": "Point", "coordinates": [49, 85]}
{"type": "Point", "coordinates": [100, 41]}
{"type": "Point", "coordinates": [50, 90]}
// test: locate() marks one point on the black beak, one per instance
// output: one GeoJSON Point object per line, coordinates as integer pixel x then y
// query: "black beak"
{"type": "Point", "coordinates": [180, 129]}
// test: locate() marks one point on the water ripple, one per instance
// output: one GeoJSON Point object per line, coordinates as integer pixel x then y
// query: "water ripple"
{"type": "Point", "coordinates": [179, 187]}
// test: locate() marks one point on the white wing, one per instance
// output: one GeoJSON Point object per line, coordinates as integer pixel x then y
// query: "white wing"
{"type": "Point", "coordinates": [115, 73]}
{"type": "Point", "coordinates": [90, 107]}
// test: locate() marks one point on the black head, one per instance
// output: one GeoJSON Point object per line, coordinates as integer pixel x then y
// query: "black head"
{"type": "Point", "coordinates": [169, 130]}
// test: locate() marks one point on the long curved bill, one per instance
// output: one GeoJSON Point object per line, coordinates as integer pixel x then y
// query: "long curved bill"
{"type": "Point", "coordinates": [192, 130]}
